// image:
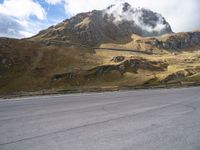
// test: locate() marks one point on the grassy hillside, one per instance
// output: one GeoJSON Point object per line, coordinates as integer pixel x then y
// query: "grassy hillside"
{"type": "Point", "coordinates": [29, 66]}
{"type": "Point", "coordinates": [34, 65]}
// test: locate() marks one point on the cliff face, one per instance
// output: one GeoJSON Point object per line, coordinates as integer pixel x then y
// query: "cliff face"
{"type": "Point", "coordinates": [113, 23]}
{"type": "Point", "coordinates": [174, 42]}
{"type": "Point", "coordinates": [181, 41]}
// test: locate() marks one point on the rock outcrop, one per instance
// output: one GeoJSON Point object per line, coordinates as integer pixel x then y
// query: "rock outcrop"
{"type": "Point", "coordinates": [118, 59]}
{"type": "Point", "coordinates": [181, 74]}
{"type": "Point", "coordinates": [131, 65]}
{"type": "Point", "coordinates": [179, 41]}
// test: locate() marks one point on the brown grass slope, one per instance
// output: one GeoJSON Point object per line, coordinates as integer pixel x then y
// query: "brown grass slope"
{"type": "Point", "coordinates": [27, 65]}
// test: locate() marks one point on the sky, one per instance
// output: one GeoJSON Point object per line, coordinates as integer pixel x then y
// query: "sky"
{"type": "Point", "coordinates": [25, 18]}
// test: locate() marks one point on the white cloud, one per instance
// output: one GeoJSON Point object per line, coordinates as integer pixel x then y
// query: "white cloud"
{"type": "Point", "coordinates": [15, 18]}
{"type": "Point", "coordinates": [26, 34]}
{"type": "Point", "coordinates": [22, 9]}
{"type": "Point", "coordinates": [15, 28]}
{"type": "Point", "coordinates": [53, 2]}
{"type": "Point", "coordinates": [183, 15]}
{"type": "Point", "coordinates": [8, 26]}
{"type": "Point", "coordinates": [73, 7]}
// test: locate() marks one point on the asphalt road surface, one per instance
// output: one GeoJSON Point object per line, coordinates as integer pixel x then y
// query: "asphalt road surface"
{"type": "Point", "coordinates": [164, 119]}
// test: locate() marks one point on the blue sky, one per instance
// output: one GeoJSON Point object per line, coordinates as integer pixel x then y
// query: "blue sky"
{"type": "Point", "coordinates": [24, 18]}
{"type": "Point", "coordinates": [54, 12]}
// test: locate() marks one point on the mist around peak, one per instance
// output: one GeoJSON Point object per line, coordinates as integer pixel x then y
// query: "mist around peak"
{"type": "Point", "coordinates": [144, 18]}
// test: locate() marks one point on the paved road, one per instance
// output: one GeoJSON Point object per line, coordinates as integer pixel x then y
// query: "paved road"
{"type": "Point", "coordinates": [124, 50]}
{"type": "Point", "coordinates": [99, 48]}
{"type": "Point", "coordinates": [126, 120]}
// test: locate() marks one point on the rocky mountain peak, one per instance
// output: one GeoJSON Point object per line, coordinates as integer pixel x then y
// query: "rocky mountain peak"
{"type": "Point", "coordinates": [118, 21]}
{"type": "Point", "coordinates": [124, 6]}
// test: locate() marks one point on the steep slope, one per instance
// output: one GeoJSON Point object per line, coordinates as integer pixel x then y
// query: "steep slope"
{"type": "Point", "coordinates": [29, 65]}
{"type": "Point", "coordinates": [113, 24]}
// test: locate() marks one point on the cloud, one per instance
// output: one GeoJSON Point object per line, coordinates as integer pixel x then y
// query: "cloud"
{"type": "Point", "coordinates": [9, 27]}
{"type": "Point", "coordinates": [15, 18]}
{"type": "Point", "coordinates": [15, 28]}
{"type": "Point", "coordinates": [73, 7]}
{"type": "Point", "coordinates": [181, 14]}
{"type": "Point", "coordinates": [53, 2]}
{"type": "Point", "coordinates": [22, 9]}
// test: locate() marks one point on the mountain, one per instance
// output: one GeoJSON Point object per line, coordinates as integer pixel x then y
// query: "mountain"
{"type": "Point", "coordinates": [117, 22]}
{"type": "Point", "coordinates": [114, 48]}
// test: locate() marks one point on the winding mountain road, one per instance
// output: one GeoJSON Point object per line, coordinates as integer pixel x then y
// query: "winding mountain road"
{"type": "Point", "coordinates": [161, 119]}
